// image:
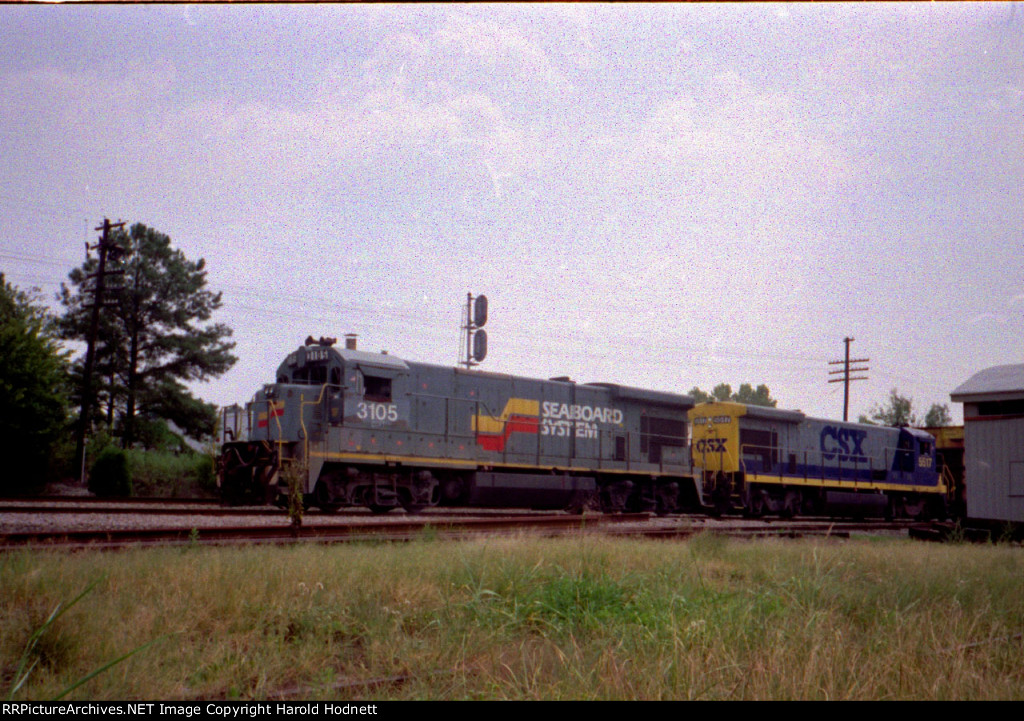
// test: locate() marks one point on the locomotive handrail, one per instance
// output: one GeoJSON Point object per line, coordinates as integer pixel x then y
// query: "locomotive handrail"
{"type": "Point", "coordinates": [302, 415]}
{"type": "Point", "coordinates": [587, 455]}
{"type": "Point", "coordinates": [776, 452]}
{"type": "Point", "coordinates": [721, 454]}
{"type": "Point", "coordinates": [479, 409]}
{"type": "Point", "coordinates": [949, 483]}
{"type": "Point", "coordinates": [816, 459]}
{"type": "Point", "coordinates": [234, 432]}
{"type": "Point", "coordinates": [271, 407]}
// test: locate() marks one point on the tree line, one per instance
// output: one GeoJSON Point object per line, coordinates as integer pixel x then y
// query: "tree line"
{"type": "Point", "coordinates": [155, 334]}
{"type": "Point", "coordinates": [898, 410]}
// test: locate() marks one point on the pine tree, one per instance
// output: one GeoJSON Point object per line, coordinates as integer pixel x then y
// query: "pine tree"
{"type": "Point", "coordinates": [155, 334]}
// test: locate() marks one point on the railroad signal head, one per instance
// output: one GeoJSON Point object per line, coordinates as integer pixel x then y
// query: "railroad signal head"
{"type": "Point", "coordinates": [479, 345]}
{"type": "Point", "coordinates": [480, 311]}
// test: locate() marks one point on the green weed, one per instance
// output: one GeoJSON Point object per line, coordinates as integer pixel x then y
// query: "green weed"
{"type": "Point", "coordinates": [51, 647]}
{"type": "Point", "coordinates": [518, 618]}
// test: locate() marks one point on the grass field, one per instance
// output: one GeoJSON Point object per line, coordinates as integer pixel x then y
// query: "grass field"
{"type": "Point", "coordinates": [519, 618]}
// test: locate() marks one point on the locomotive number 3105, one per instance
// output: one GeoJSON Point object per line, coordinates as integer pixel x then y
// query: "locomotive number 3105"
{"type": "Point", "coordinates": [387, 412]}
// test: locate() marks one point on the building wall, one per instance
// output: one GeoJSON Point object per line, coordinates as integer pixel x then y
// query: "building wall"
{"type": "Point", "coordinates": [995, 467]}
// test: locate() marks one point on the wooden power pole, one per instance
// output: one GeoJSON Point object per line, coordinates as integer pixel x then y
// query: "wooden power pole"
{"type": "Point", "coordinates": [105, 246]}
{"type": "Point", "coordinates": [844, 375]}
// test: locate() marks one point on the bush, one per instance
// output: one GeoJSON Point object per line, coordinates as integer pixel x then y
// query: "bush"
{"type": "Point", "coordinates": [161, 474]}
{"type": "Point", "coordinates": [109, 475]}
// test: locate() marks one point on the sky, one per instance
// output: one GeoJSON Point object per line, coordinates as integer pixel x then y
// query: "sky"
{"type": "Point", "coordinates": [663, 196]}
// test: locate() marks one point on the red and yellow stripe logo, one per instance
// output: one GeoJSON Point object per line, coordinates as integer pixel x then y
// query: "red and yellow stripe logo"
{"type": "Point", "coordinates": [275, 410]}
{"type": "Point", "coordinates": [520, 415]}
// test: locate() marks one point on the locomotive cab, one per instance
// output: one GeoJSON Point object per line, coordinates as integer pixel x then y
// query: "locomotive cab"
{"type": "Point", "coordinates": [356, 396]}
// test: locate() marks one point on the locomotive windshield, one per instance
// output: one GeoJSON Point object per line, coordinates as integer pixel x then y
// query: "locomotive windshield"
{"type": "Point", "coordinates": [313, 365]}
{"type": "Point", "coordinates": [310, 375]}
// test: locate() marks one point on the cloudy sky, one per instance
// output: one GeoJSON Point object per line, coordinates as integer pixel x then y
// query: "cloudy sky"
{"type": "Point", "coordinates": [656, 195]}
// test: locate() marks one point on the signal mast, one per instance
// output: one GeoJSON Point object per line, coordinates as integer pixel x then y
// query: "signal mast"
{"type": "Point", "coordinates": [475, 339]}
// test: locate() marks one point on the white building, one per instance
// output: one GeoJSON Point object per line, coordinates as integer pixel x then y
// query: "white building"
{"type": "Point", "coordinates": [994, 442]}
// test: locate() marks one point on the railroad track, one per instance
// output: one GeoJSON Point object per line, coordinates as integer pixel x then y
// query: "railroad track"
{"type": "Point", "coordinates": [89, 500]}
{"type": "Point", "coordinates": [401, 530]}
{"type": "Point", "coordinates": [196, 507]}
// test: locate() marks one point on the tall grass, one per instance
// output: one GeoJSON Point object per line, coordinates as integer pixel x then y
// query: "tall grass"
{"type": "Point", "coordinates": [513, 618]}
{"type": "Point", "coordinates": [153, 473]}
{"type": "Point", "coordinates": [165, 474]}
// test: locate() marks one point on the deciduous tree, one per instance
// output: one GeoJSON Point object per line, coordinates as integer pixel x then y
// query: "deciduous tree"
{"type": "Point", "coordinates": [759, 396]}
{"type": "Point", "coordinates": [898, 410]}
{"type": "Point", "coordinates": [33, 390]}
{"type": "Point", "coordinates": [937, 416]}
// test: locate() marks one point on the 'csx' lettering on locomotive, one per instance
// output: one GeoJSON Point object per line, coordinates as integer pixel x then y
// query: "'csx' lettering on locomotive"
{"type": "Point", "coordinates": [711, 445]}
{"type": "Point", "coordinates": [844, 442]}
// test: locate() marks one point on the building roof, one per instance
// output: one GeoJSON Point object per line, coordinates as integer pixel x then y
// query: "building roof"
{"type": "Point", "coordinates": [995, 383]}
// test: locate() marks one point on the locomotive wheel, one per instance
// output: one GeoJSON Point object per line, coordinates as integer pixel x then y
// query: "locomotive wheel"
{"type": "Point", "coordinates": [322, 499]}
{"type": "Point", "coordinates": [413, 508]}
{"type": "Point", "coordinates": [914, 508]}
{"type": "Point", "coordinates": [380, 510]}
{"type": "Point", "coordinates": [583, 501]}
{"type": "Point", "coordinates": [790, 505]}
{"type": "Point", "coordinates": [756, 505]}
{"type": "Point", "coordinates": [667, 499]}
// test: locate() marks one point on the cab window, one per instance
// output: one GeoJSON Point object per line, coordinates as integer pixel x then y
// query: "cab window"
{"type": "Point", "coordinates": [377, 389]}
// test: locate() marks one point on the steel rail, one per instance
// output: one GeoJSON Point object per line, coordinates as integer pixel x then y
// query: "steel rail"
{"type": "Point", "coordinates": [175, 508]}
{"type": "Point", "coordinates": [400, 530]}
{"type": "Point", "coordinates": [617, 525]}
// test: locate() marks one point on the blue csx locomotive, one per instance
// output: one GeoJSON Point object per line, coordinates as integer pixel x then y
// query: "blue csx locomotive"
{"type": "Point", "coordinates": [766, 460]}
{"type": "Point", "coordinates": [369, 429]}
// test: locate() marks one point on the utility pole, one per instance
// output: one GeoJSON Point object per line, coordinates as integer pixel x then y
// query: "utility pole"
{"type": "Point", "coordinates": [845, 377]}
{"type": "Point", "coordinates": [105, 246]}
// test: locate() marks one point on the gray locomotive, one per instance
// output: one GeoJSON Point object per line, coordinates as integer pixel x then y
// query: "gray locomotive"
{"type": "Point", "coordinates": [370, 429]}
